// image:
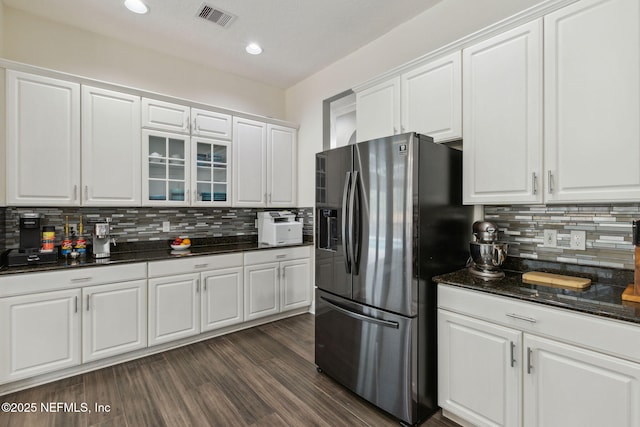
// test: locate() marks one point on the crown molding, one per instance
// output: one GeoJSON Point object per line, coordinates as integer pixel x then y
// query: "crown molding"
{"type": "Point", "coordinates": [46, 72]}
{"type": "Point", "coordinates": [499, 27]}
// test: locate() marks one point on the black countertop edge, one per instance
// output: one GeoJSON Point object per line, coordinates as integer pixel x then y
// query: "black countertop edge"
{"type": "Point", "coordinates": [602, 298]}
{"type": "Point", "coordinates": [133, 252]}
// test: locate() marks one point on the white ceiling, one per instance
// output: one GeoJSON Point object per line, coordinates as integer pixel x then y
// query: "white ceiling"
{"type": "Point", "coordinates": [299, 37]}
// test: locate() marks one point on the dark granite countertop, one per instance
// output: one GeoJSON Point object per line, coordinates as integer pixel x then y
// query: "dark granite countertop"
{"type": "Point", "coordinates": [131, 252]}
{"type": "Point", "coordinates": [602, 298]}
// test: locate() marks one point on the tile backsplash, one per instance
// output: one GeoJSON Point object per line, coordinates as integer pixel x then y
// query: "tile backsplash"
{"type": "Point", "coordinates": [607, 227]}
{"type": "Point", "coordinates": [3, 227]}
{"type": "Point", "coordinates": [608, 230]}
{"type": "Point", "coordinates": [145, 223]}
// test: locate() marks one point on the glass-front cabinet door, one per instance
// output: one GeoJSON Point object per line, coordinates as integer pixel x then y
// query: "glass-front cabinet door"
{"type": "Point", "coordinates": [166, 167]}
{"type": "Point", "coordinates": [211, 171]}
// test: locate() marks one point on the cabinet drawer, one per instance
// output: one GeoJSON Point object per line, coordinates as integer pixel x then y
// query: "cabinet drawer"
{"type": "Point", "coordinates": [19, 284]}
{"type": "Point", "coordinates": [274, 255]}
{"type": "Point", "coordinates": [605, 335]}
{"type": "Point", "coordinates": [194, 264]}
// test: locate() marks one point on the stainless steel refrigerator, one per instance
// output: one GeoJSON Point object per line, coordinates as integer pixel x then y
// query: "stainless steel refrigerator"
{"type": "Point", "coordinates": [389, 216]}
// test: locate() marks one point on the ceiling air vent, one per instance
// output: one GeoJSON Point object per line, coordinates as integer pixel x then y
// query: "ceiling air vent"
{"type": "Point", "coordinates": [215, 15]}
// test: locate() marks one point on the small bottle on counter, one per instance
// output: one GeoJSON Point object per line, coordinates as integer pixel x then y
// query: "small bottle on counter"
{"type": "Point", "coordinates": [80, 245]}
{"type": "Point", "coordinates": [67, 243]}
{"type": "Point", "coordinates": [48, 238]}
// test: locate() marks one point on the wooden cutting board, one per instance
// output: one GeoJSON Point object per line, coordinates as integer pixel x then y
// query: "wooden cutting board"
{"type": "Point", "coordinates": [550, 279]}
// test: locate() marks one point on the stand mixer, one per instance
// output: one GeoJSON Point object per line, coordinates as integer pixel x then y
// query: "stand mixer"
{"type": "Point", "coordinates": [487, 254]}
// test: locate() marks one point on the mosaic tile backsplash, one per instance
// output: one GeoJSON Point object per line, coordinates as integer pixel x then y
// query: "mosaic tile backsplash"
{"type": "Point", "coordinates": [145, 224]}
{"type": "Point", "coordinates": [2, 229]}
{"type": "Point", "coordinates": [607, 227]}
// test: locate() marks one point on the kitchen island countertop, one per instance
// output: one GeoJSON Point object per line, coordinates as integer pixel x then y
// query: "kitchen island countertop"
{"type": "Point", "coordinates": [602, 298]}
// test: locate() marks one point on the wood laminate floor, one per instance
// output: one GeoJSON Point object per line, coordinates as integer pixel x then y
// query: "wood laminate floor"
{"type": "Point", "coordinates": [264, 376]}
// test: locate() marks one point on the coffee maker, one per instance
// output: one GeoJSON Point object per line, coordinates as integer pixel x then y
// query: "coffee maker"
{"type": "Point", "coordinates": [101, 236]}
{"type": "Point", "coordinates": [30, 243]}
{"type": "Point", "coordinates": [487, 253]}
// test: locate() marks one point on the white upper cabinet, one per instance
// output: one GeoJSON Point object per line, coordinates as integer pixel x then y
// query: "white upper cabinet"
{"type": "Point", "coordinates": [264, 164]}
{"type": "Point", "coordinates": [592, 102]}
{"type": "Point", "coordinates": [249, 163]}
{"type": "Point", "coordinates": [43, 141]}
{"type": "Point", "coordinates": [211, 124]}
{"type": "Point", "coordinates": [432, 99]}
{"type": "Point", "coordinates": [210, 171]}
{"type": "Point", "coordinates": [281, 166]}
{"type": "Point", "coordinates": [378, 110]}
{"type": "Point", "coordinates": [166, 163]}
{"type": "Point", "coordinates": [426, 99]}
{"type": "Point", "coordinates": [502, 117]}
{"type": "Point", "coordinates": [165, 116]}
{"type": "Point", "coordinates": [110, 148]}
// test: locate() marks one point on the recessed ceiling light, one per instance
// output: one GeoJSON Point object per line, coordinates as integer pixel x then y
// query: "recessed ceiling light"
{"type": "Point", "coordinates": [136, 6]}
{"type": "Point", "coordinates": [253, 49]}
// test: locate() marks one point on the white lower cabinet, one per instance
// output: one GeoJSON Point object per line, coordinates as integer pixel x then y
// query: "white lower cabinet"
{"type": "Point", "coordinates": [262, 283]}
{"type": "Point", "coordinates": [477, 379]}
{"type": "Point", "coordinates": [222, 298]}
{"type": "Point", "coordinates": [503, 372]}
{"type": "Point", "coordinates": [54, 320]}
{"type": "Point", "coordinates": [569, 386]}
{"type": "Point", "coordinates": [194, 295]}
{"type": "Point", "coordinates": [276, 280]}
{"type": "Point", "coordinates": [114, 319]}
{"type": "Point", "coordinates": [57, 320]}
{"type": "Point", "coordinates": [295, 284]}
{"type": "Point", "coordinates": [39, 333]}
{"type": "Point", "coordinates": [174, 307]}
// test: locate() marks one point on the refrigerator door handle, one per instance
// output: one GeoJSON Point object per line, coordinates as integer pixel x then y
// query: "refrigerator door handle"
{"type": "Point", "coordinates": [345, 235]}
{"type": "Point", "coordinates": [355, 224]}
{"type": "Point", "coordinates": [382, 322]}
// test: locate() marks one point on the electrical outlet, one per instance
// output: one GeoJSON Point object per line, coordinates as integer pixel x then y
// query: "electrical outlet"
{"type": "Point", "coordinates": [578, 240]}
{"type": "Point", "coordinates": [551, 238]}
{"type": "Point", "coordinates": [166, 226]}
